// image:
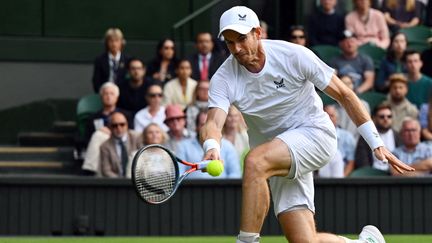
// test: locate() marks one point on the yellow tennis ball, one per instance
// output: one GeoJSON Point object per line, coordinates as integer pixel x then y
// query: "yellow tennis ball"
{"type": "Point", "coordinates": [215, 168]}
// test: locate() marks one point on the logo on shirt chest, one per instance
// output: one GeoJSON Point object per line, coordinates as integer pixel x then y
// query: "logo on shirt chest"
{"type": "Point", "coordinates": [279, 84]}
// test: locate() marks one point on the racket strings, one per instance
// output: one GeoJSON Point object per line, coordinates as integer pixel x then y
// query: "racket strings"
{"type": "Point", "coordinates": [155, 175]}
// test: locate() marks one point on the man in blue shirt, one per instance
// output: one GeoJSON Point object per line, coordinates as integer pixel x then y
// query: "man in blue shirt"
{"type": "Point", "coordinates": [191, 150]}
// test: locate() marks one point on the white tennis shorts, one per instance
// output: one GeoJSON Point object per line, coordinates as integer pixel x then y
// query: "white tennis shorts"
{"type": "Point", "coordinates": [311, 148]}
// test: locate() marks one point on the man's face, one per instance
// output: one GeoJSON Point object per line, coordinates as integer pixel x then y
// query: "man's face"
{"type": "Point", "coordinates": [383, 119]}
{"type": "Point", "coordinates": [109, 96]}
{"type": "Point", "coordinates": [118, 125]}
{"type": "Point", "coordinates": [349, 46]}
{"type": "Point", "coordinates": [202, 91]}
{"type": "Point", "coordinates": [176, 125]}
{"type": "Point", "coordinates": [399, 44]}
{"type": "Point", "coordinates": [362, 5]}
{"type": "Point", "coordinates": [184, 70]}
{"type": "Point", "coordinates": [298, 37]}
{"type": "Point", "coordinates": [243, 47]}
{"type": "Point", "coordinates": [204, 43]}
{"type": "Point", "coordinates": [410, 133]}
{"type": "Point", "coordinates": [136, 70]}
{"type": "Point", "coordinates": [328, 4]}
{"type": "Point", "coordinates": [114, 44]}
{"type": "Point", "coordinates": [398, 91]}
{"type": "Point", "coordinates": [413, 63]}
{"type": "Point", "coordinates": [154, 96]}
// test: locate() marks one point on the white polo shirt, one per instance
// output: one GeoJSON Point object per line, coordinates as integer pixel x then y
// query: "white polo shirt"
{"type": "Point", "coordinates": [278, 98]}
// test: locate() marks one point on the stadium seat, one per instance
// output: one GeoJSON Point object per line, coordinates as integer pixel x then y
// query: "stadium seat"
{"type": "Point", "coordinates": [417, 34]}
{"type": "Point", "coordinates": [326, 52]}
{"type": "Point", "coordinates": [373, 98]}
{"type": "Point", "coordinates": [374, 52]}
{"type": "Point", "coordinates": [87, 105]}
{"type": "Point", "coordinates": [368, 172]}
{"type": "Point", "coordinates": [420, 47]}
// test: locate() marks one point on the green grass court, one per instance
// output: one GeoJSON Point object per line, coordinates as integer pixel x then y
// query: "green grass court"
{"type": "Point", "coordinates": [209, 239]}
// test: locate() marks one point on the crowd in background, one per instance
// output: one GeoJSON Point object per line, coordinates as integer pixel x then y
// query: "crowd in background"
{"type": "Point", "coordinates": [165, 100]}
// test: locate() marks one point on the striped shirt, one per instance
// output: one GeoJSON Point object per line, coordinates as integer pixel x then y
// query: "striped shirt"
{"type": "Point", "coordinates": [422, 151]}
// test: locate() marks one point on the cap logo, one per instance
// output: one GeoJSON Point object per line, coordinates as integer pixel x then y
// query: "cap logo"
{"type": "Point", "coordinates": [242, 18]}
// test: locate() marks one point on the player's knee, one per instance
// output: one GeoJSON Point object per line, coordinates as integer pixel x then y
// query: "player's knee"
{"type": "Point", "coordinates": [255, 165]}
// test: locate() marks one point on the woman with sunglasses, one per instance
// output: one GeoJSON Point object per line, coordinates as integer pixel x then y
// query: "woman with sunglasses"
{"type": "Point", "coordinates": [162, 67]}
{"type": "Point", "coordinates": [297, 35]}
{"type": "Point", "coordinates": [154, 112]}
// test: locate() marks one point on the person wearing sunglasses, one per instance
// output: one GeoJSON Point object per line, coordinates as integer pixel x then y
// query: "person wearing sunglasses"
{"type": "Point", "coordinates": [154, 112]}
{"type": "Point", "coordinates": [162, 67]}
{"type": "Point", "coordinates": [115, 152]}
{"type": "Point", "coordinates": [297, 35]}
{"type": "Point", "coordinates": [382, 117]}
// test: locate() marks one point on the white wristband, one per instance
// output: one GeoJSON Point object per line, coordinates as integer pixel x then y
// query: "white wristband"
{"type": "Point", "coordinates": [211, 144]}
{"type": "Point", "coordinates": [370, 134]}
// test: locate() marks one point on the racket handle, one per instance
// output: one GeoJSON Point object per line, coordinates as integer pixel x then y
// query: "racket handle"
{"type": "Point", "coordinates": [203, 164]}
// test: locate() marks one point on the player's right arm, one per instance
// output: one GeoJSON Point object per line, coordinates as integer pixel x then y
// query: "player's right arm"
{"type": "Point", "coordinates": [212, 132]}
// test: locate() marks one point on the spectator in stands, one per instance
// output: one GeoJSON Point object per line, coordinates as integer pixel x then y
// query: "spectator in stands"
{"type": "Point", "coordinates": [97, 130]}
{"type": "Point", "coordinates": [334, 168]}
{"type": "Point", "coordinates": [368, 25]}
{"type": "Point", "coordinates": [264, 28]}
{"type": "Point", "coordinates": [132, 93]}
{"type": "Point", "coordinates": [425, 118]}
{"type": "Point", "coordinates": [399, 104]}
{"type": "Point", "coordinates": [354, 64]}
{"type": "Point", "coordinates": [392, 63]}
{"type": "Point", "coordinates": [346, 143]}
{"type": "Point", "coordinates": [344, 121]}
{"type": "Point", "coordinates": [402, 13]}
{"type": "Point", "coordinates": [419, 85]}
{"type": "Point", "coordinates": [235, 131]}
{"type": "Point", "coordinates": [175, 119]}
{"type": "Point", "coordinates": [115, 152]}
{"type": "Point", "coordinates": [297, 35]}
{"type": "Point", "coordinates": [180, 90]}
{"type": "Point", "coordinates": [205, 62]}
{"type": "Point", "coordinates": [382, 117]}
{"type": "Point", "coordinates": [426, 57]}
{"type": "Point", "coordinates": [326, 24]}
{"type": "Point", "coordinates": [154, 112]}
{"type": "Point", "coordinates": [199, 102]}
{"type": "Point", "coordinates": [111, 65]}
{"type": "Point", "coordinates": [191, 150]}
{"type": "Point", "coordinates": [162, 67]}
{"type": "Point", "coordinates": [413, 152]}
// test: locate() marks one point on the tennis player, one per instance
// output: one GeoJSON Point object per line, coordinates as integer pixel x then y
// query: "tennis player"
{"type": "Point", "coordinates": [272, 83]}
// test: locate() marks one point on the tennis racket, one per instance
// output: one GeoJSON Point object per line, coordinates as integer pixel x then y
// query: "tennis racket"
{"type": "Point", "coordinates": [155, 173]}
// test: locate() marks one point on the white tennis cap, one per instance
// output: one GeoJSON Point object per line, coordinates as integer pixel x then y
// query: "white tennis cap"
{"type": "Point", "coordinates": [241, 19]}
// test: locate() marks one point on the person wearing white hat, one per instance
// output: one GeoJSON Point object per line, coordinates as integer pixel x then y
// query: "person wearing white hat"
{"type": "Point", "coordinates": [272, 83]}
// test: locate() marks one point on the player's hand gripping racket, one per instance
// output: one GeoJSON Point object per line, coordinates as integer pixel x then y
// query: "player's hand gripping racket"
{"type": "Point", "coordinates": [155, 173]}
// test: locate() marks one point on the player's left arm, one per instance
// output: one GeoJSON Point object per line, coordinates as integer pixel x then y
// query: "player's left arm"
{"type": "Point", "coordinates": [358, 114]}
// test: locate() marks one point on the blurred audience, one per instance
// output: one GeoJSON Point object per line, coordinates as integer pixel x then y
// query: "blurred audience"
{"type": "Point", "coordinates": [346, 143]}
{"type": "Point", "coordinates": [344, 121]}
{"type": "Point", "coordinates": [191, 150]}
{"type": "Point", "coordinates": [205, 62]}
{"type": "Point", "coordinates": [425, 118]}
{"type": "Point", "coordinates": [399, 104]}
{"type": "Point", "coordinates": [132, 93]}
{"type": "Point", "coordinates": [419, 85]}
{"type": "Point", "coordinates": [111, 65]}
{"type": "Point", "coordinates": [297, 35]}
{"type": "Point", "coordinates": [364, 156]}
{"type": "Point", "coordinates": [402, 13]}
{"type": "Point", "coordinates": [326, 24]}
{"type": "Point", "coordinates": [162, 67]}
{"type": "Point", "coordinates": [115, 152]}
{"type": "Point", "coordinates": [235, 131]}
{"type": "Point", "coordinates": [199, 102]}
{"type": "Point", "coordinates": [392, 63]}
{"type": "Point", "coordinates": [154, 112]}
{"type": "Point", "coordinates": [354, 64]}
{"type": "Point", "coordinates": [264, 27]}
{"type": "Point", "coordinates": [180, 90]}
{"type": "Point", "coordinates": [154, 134]}
{"type": "Point", "coordinates": [413, 152]}
{"type": "Point", "coordinates": [175, 119]}
{"type": "Point", "coordinates": [368, 24]}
